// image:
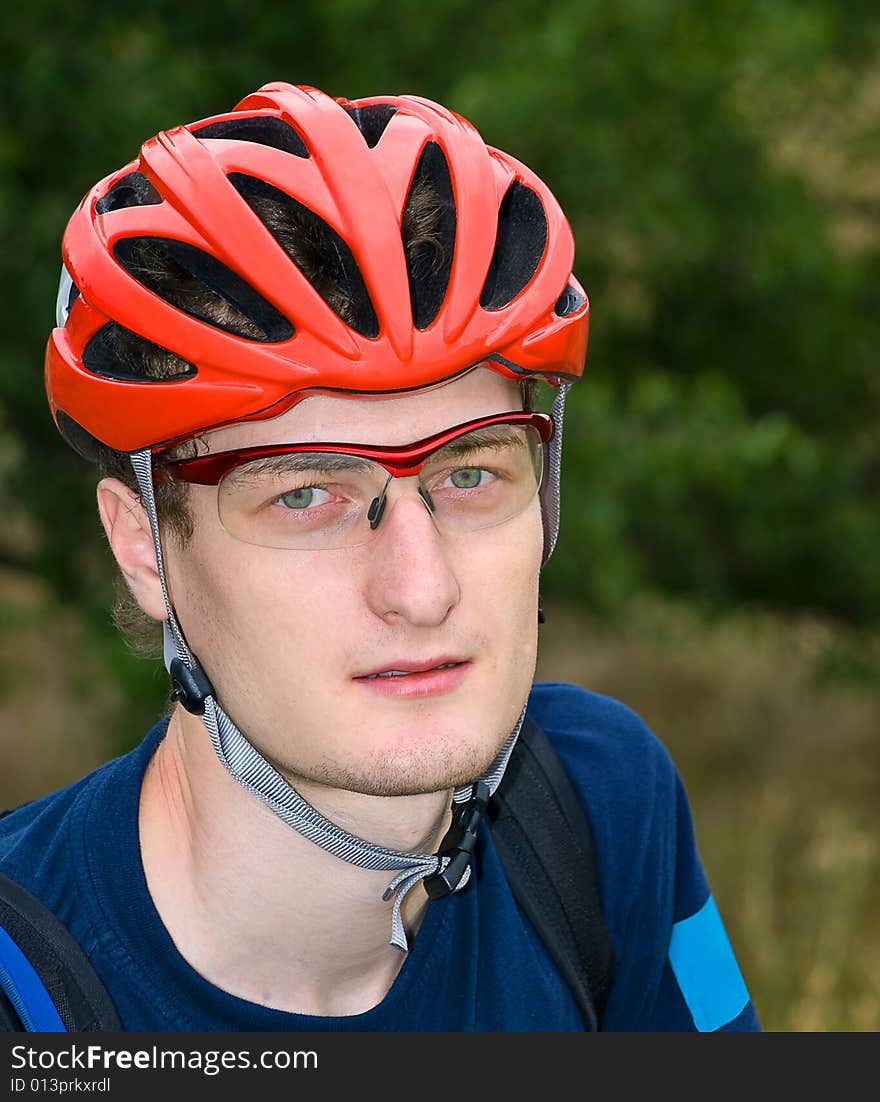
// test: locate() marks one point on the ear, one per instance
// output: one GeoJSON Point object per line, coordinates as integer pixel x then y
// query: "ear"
{"type": "Point", "coordinates": [131, 540]}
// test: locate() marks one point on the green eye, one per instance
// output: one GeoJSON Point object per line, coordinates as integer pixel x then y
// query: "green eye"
{"type": "Point", "coordinates": [467, 478]}
{"type": "Point", "coordinates": [303, 497]}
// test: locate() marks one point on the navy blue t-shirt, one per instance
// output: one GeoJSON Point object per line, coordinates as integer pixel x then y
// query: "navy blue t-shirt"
{"type": "Point", "coordinates": [476, 964]}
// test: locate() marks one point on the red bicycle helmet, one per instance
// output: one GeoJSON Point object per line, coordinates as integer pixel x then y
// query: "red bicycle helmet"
{"type": "Point", "coordinates": [503, 291]}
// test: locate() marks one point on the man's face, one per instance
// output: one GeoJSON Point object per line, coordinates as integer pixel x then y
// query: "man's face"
{"type": "Point", "coordinates": [287, 636]}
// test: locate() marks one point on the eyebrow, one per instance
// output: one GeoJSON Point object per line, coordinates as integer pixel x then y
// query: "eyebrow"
{"type": "Point", "coordinates": [293, 463]}
{"type": "Point", "coordinates": [492, 436]}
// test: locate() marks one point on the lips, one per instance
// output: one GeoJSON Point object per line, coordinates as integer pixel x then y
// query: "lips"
{"type": "Point", "coordinates": [405, 680]}
{"type": "Point", "coordinates": [403, 668]}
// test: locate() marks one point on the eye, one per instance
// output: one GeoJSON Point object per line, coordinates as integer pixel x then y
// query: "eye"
{"type": "Point", "coordinates": [468, 478]}
{"type": "Point", "coordinates": [303, 498]}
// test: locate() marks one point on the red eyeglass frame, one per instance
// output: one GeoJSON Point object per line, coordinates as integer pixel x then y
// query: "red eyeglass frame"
{"type": "Point", "coordinates": [400, 460]}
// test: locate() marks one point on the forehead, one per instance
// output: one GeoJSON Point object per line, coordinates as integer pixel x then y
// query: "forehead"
{"type": "Point", "coordinates": [367, 420]}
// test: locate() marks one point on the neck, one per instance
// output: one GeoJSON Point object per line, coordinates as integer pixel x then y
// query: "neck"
{"type": "Point", "coordinates": [258, 909]}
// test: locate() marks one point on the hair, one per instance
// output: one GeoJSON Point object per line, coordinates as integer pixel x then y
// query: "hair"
{"type": "Point", "coordinates": [295, 230]}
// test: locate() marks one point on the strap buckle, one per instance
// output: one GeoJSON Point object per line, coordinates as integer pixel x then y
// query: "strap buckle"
{"type": "Point", "coordinates": [459, 842]}
{"type": "Point", "coordinates": [191, 686]}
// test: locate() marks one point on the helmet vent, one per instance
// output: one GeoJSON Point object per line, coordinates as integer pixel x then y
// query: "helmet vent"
{"type": "Point", "coordinates": [519, 246]}
{"type": "Point", "coordinates": [315, 248]}
{"type": "Point", "coordinates": [133, 190]}
{"type": "Point", "coordinates": [262, 129]}
{"type": "Point", "coordinates": [80, 439]}
{"type": "Point", "coordinates": [372, 120]}
{"type": "Point", "coordinates": [117, 353]}
{"type": "Point", "coordinates": [201, 286]}
{"type": "Point", "coordinates": [428, 229]}
{"type": "Point", "coordinates": [569, 301]}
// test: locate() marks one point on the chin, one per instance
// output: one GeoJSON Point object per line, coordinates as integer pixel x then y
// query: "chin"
{"type": "Point", "coordinates": [395, 748]}
{"type": "Point", "coordinates": [410, 767]}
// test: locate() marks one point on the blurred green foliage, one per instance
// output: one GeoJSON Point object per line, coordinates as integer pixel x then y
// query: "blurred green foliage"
{"type": "Point", "coordinates": [720, 164]}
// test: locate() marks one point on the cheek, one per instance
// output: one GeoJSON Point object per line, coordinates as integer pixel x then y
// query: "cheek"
{"type": "Point", "coordinates": [230, 595]}
{"type": "Point", "coordinates": [499, 578]}
{"type": "Point", "coordinates": [513, 553]}
{"type": "Point", "coordinates": [254, 599]}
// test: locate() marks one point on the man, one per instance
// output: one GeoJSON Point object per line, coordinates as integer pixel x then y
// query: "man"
{"type": "Point", "coordinates": [301, 339]}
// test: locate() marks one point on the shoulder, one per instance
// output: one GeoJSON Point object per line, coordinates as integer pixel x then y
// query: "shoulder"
{"type": "Point", "coordinates": [45, 844]}
{"type": "Point", "coordinates": [40, 848]}
{"type": "Point", "coordinates": [675, 968]}
{"type": "Point", "coordinates": [628, 786]}
{"type": "Point", "coordinates": [606, 746]}
{"type": "Point", "coordinates": [38, 825]}
{"type": "Point", "coordinates": [568, 707]}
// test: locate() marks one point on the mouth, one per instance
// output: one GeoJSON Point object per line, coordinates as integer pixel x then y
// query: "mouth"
{"type": "Point", "coordinates": [411, 669]}
{"type": "Point", "coordinates": [412, 680]}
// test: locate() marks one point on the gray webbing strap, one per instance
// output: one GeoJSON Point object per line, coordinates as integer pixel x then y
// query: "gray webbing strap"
{"type": "Point", "coordinates": [550, 506]}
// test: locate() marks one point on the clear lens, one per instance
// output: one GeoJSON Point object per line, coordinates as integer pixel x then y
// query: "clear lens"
{"type": "Point", "coordinates": [320, 500]}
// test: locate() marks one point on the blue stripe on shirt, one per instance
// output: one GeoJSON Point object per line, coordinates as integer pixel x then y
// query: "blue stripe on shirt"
{"type": "Point", "coordinates": [706, 970]}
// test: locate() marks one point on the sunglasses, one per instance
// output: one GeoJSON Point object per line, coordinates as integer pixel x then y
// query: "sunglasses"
{"type": "Point", "coordinates": [323, 496]}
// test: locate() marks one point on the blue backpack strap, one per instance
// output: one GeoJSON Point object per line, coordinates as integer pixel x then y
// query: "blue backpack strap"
{"type": "Point", "coordinates": [46, 980]}
{"type": "Point", "coordinates": [545, 843]}
{"type": "Point", "coordinates": [26, 992]}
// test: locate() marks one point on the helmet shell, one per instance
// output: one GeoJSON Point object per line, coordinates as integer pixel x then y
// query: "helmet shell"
{"type": "Point", "coordinates": [514, 307]}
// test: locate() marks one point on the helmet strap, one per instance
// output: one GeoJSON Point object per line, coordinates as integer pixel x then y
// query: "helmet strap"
{"type": "Point", "coordinates": [550, 505]}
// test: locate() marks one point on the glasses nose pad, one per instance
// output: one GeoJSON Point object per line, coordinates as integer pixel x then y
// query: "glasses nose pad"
{"type": "Point", "coordinates": [376, 511]}
{"type": "Point", "coordinates": [377, 507]}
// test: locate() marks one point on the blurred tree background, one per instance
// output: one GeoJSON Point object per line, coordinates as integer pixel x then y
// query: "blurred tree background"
{"type": "Point", "coordinates": [717, 566]}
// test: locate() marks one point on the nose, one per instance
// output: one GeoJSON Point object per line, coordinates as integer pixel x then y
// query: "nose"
{"type": "Point", "coordinates": [410, 576]}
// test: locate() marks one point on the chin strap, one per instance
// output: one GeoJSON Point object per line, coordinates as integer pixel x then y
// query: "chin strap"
{"type": "Point", "coordinates": [444, 872]}
{"type": "Point", "coordinates": [550, 505]}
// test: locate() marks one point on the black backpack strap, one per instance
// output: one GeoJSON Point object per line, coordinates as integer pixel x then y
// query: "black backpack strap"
{"type": "Point", "coordinates": [39, 958]}
{"type": "Point", "coordinates": [545, 843]}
